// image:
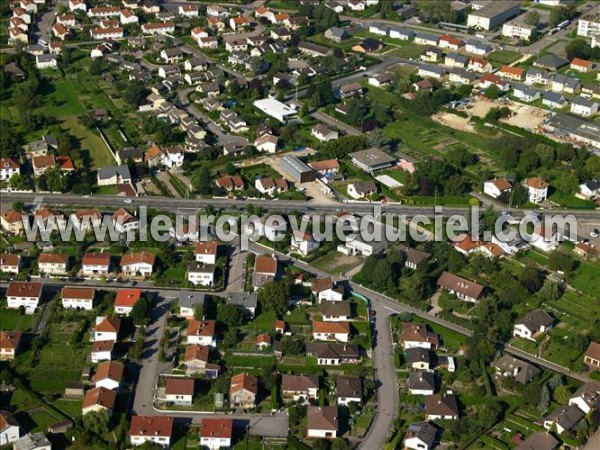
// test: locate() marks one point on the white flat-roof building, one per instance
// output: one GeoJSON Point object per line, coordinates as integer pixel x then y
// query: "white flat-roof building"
{"type": "Point", "coordinates": [276, 109]}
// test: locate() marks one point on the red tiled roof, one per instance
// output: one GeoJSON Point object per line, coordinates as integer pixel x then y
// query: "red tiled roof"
{"type": "Point", "coordinates": [216, 428]}
{"type": "Point", "coordinates": [100, 396]}
{"type": "Point", "coordinates": [23, 289]}
{"type": "Point", "coordinates": [127, 297]}
{"type": "Point", "coordinates": [151, 426]}
{"type": "Point", "coordinates": [9, 340]}
{"type": "Point", "coordinates": [138, 258]}
{"type": "Point", "coordinates": [243, 381]}
{"type": "Point", "coordinates": [331, 327]}
{"type": "Point", "coordinates": [95, 259]}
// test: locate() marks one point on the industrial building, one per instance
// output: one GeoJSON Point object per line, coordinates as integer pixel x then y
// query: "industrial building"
{"type": "Point", "coordinates": [589, 24]}
{"type": "Point", "coordinates": [276, 109]}
{"type": "Point", "coordinates": [493, 14]}
{"type": "Point", "coordinates": [297, 170]}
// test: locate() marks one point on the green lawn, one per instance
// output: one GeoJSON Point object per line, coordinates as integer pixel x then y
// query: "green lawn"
{"type": "Point", "coordinates": [587, 278]}
{"type": "Point", "coordinates": [12, 320]}
{"type": "Point", "coordinates": [99, 153]}
{"type": "Point", "coordinates": [63, 101]}
{"type": "Point", "coordinates": [407, 51]}
{"type": "Point", "coordinates": [503, 57]}
{"type": "Point", "coordinates": [570, 201]}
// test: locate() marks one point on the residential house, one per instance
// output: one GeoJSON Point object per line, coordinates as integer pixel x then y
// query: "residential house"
{"type": "Point", "coordinates": [497, 187]}
{"type": "Point", "coordinates": [323, 133]}
{"type": "Point", "coordinates": [295, 387]}
{"type": "Point", "coordinates": [230, 183]}
{"type": "Point", "coordinates": [450, 42]}
{"type": "Point", "coordinates": [478, 48]}
{"type": "Point", "coordinates": [24, 294]}
{"type": "Point", "coordinates": [216, 434]}
{"type": "Point", "coordinates": [8, 168]}
{"type": "Point", "coordinates": [371, 160]}
{"type": "Point", "coordinates": [584, 107]}
{"type": "Point", "coordinates": [10, 263]}
{"type": "Point", "coordinates": [201, 274]}
{"type": "Point", "coordinates": [333, 354]}
{"type": "Point", "coordinates": [156, 29]}
{"type": "Point", "coordinates": [403, 34]}
{"type": "Point", "coordinates": [10, 429]}
{"type": "Point", "coordinates": [525, 93]}
{"type": "Point", "coordinates": [581, 65]}
{"type": "Point", "coordinates": [587, 397]}
{"type": "Point", "coordinates": [420, 436]}
{"type": "Point", "coordinates": [381, 80]}
{"type": "Point", "coordinates": [336, 34]}
{"type": "Point", "coordinates": [180, 391]}
{"type": "Point", "coordinates": [126, 300]}
{"type": "Point", "coordinates": [538, 440]}
{"type": "Point", "coordinates": [589, 190]}
{"type": "Point", "coordinates": [139, 264]}
{"type": "Point", "coordinates": [421, 382]}
{"type": "Point", "coordinates": [196, 359]}
{"type": "Point", "coordinates": [243, 391]}
{"type": "Point", "coordinates": [329, 166]}
{"type": "Point", "coordinates": [430, 71]}
{"type": "Point", "coordinates": [12, 222]}
{"type": "Point", "coordinates": [461, 287]}
{"type": "Point", "coordinates": [53, 263]}
{"type": "Point", "coordinates": [263, 341]}
{"type": "Point", "coordinates": [479, 65]}
{"type": "Point", "coordinates": [102, 351]}
{"type": "Point", "coordinates": [303, 243]}
{"type": "Point", "coordinates": [532, 324]}
{"type": "Point", "coordinates": [591, 357]}
{"type": "Point", "coordinates": [151, 429]}
{"type": "Point", "coordinates": [368, 45]}
{"type": "Point", "coordinates": [86, 220]}
{"type": "Point", "coordinates": [94, 264]}
{"type": "Point", "coordinates": [537, 189]}
{"type": "Point", "coordinates": [266, 268]}
{"type": "Point", "coordinates": [106, 328]}
{"type": "Point", "coordinates": [112, 175]}
{"type": "Point", "coordinates": [554, 100]}
{"type": "Point", "coordinates": [523, 372]}
{"type": "Point", "coordinates": [206, 252]}
{"type": "Point", "coordinates": [246, 301]}
{"type": "Point", "coordinates": [267, 143]}
{"type": "Point", "coordinates": [348, 389]}
{"type": "Point", "coordinates": [109, 374]}
{"type": "Point", "coordinates": [331, 331]}
{"type": "Point", "coordinates": [441, 407]}
{"type": "Point", "coordinates": [188, 302]}
{"type": "Point", "coordinates": [336, 311]}
{"type": "Point", "coordinates": [537, 76]}
{"type": "Point", "coordinates": [322, 422]}
{"type": "Point", "coordinates": [201, 332]}
{"type": "Point", "coordinates": [9, 346]}
{"type": "Point", "coordinates": [350, 90]}
{"type": "Point", "coordinates": [32, 441]}
{"type": "Point", "coordinates": [416, 335]}
{"type": "Point", "coordinates": [413, 259]}
{"type": "Point", "coordinates": [511, 73]}
{"type": "Point", "coordinates": [562, 83]}
{"type": "Point", "coordinates": [99, 399]}
{"type": "Point", "coordinates": [77, 297]}
{"type": "Point", "coordinates": [327, 289]}
{"type": "Point", "coordinates": [563, 418]}
{"type": "Point", "coordinates": [551, 62]}
{"type": "Point", "coordinates": [426, 39]}
{"type": "Point", "coordinates": [124, 222]}
{"type": "Point", "coordinates": [362, 189]}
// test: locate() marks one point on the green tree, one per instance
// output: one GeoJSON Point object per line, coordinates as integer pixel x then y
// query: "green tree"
{"type": "Point", "coordinates": [18, 206]}
{"type": "Point", "coordinates": [559, 260]}
{"type": "Point", "coordinates": [199, 311]}
{"type": "Point", "coordinates": [96, 422]}
{"type": "Point", "coordinates": [202, 181]}
{"type": "Point", "coordinates": [562, 394]}
{"type": "Point", "coordinates": [56, 180]}
{"type": "Point", "coordinates": [273, 297]}
{"type": "Point", "coordinates": [140, 311]}
{"type": "Point", "coordinates": [18, 181]}
{"type": "Point", "coordinates": [492, 92]}
{"type": "Point", "coordinates": [532, 18]}
{"type": "Point", "coordinates": [229, 315]}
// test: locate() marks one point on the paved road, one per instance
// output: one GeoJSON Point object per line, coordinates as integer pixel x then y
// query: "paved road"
{"type": "Point", "coordinates": [181, 205]}
{"type": "Point", "coordinates": [333, 122]}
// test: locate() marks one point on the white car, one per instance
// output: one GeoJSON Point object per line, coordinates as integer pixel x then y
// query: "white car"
{"type": "Point", "coordinates": [128, 201]}
{"type": "Point", "coordinates": [595, 233]}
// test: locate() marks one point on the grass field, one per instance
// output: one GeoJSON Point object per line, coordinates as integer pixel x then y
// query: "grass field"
{"type": "Point", "coordinates": [503, 57]}
{"type": "Point", "coordinates": [404, 51]}
{"type": "Point", "coordinates": [63, 100]}
{"type": "Point", "coordinates": [99, 153]}
{"type": "Point", "coordinates": [12, 320]}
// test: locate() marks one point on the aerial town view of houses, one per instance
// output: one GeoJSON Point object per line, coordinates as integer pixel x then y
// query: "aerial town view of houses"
{"type": "Point", "coordinates": [127, 115]}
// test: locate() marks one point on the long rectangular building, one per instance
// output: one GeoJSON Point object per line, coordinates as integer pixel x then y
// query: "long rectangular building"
{"type": "Point", "coordinates": [493, 14]}
{"type": "Point", "coordinates": [297, 170]}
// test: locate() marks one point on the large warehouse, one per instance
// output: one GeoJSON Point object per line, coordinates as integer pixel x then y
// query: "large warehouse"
{"type": "Point", "coordinates": [493, 14]}
{"type": "Point", "coordinates": [297, 170]}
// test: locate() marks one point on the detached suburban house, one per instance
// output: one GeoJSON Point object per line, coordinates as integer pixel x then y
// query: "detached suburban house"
{"type": "Point", "coordinates": [441, 407]}
{"type": "Point", "coordinates": [537, 189]}
{"type": "Point", "coordinates": [106, 328]}
{"type": "Point", "coordinates": [10, 263]}
{"type": "Point", "coordinates": [138, 264]}
{"type": "Point", "coordinates": [216, 434]}
{"type": "Point", "coordinates": [77, 297]}
{"type": "Point", "coordinates": [243, 391]}
{"type": "Point", "coordinates": [266, 268]}
{"type": "Point", "coordinates": [53, 263]}
{"type": "Point", "coordinates": [201, 274]}
{"type": "Point", "coordinates": [188, 301]}
{"type": "Point", "coordinates": [109, 374]}
{"type": "Point", "coordinates": [348, 389]}
{"type": "Point", "coordinates": [180, 391]}
{"type": "Point", "coordinates": [326, 289]}
{"type": "Point", "coordinates": [521, 371]}
{"type": "Point", "coordinates": [532, 324]}
{"type": "Point", "coordinates": [461, 287]}
{"type": "Point", "coordinates": [201, 332]}
{"type": "Point", "coordinates": [303, 243]}
{"type": "Point", "coordinates": [587, 397]}
{"type": "Point", "coordinates": [591, 357]}
{"type": "Point", "coordinates": [96, 264]}
{"type": "Point", "coordinates": [99, 399]}
{"type": "Point", "coordinates": [496, 187]}
{"type": "Point", "coordinates": [9, 344]}
{"type": "Point", "coordinates": [155, 429]}
{"type": "Point", "coordinates": [421, 436]}
{"type": "Point", "coordinates": [415, 335]}
{"type": "Point", "coordinates": [331, 331]}
{"type": "Point", "coordinates": [299, 386]}
{"type": "Point", "coordinates": [196, 359]}
{"type": "Point", "coordinates": [322, 422]}
{"type": "Point", "coordinates": [206, 252]}
{"type": "Point", "coordinates": [126, 300]}
{"type": "Point", "coordinates": [24, 294]}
